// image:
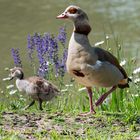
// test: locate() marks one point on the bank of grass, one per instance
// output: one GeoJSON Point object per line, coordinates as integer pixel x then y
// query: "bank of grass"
{"type": "Point", "coordinates": [118, 118]}
{"type": "Point", "coordinates": [60, 118]}
{"type": "Point", "coordinates": [33, 124]}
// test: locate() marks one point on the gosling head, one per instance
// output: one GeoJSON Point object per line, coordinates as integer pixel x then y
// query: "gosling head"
{"type": "Point", "coordinates": [16, 72]}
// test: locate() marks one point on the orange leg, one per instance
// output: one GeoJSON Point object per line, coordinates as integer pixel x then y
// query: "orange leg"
{"type": "Point", "coordinates": [92, 111]}
{"type": "Point", "coordinates": [103, 97]}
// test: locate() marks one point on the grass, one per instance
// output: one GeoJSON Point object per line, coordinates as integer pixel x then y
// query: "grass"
{"type": "Point", "coordinates": [60, 118]}
{"type": "Point", "coordinates": [118, 118]}
{"type": "Point", "coordinates": [57, 125]}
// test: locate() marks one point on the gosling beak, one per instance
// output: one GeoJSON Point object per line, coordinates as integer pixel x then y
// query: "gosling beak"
{"type": "Point", "coordinates": [62, 16]}
{"type": "Point", "coordinates": [11, 78]}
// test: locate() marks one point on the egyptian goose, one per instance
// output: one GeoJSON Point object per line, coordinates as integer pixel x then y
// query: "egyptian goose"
{"type": "Point", "coordinates": [91, 66]}
{"type": "Point", "coordinates": [36, 87]}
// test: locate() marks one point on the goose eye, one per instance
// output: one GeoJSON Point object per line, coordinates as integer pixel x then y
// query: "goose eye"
{"type": "Point", "coordinates": [72, 10]}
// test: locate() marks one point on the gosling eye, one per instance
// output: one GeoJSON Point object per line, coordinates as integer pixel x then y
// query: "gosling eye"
{"type": "Point", "coordinates": [12, 72]}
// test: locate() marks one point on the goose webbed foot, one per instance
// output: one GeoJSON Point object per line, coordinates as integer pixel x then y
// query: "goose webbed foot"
{"type": "Point", "coordinates": [92, 112]}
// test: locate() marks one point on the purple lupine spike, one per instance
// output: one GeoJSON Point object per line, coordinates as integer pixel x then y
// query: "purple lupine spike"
{"type": "Point", "coordinates": [40, 55]}
{"type": "Point", "coordinates": [37, 39]}
{"type": "Point", "coordinates": [46, 47]}
{"type": "Point", "coordinates": [41, 50]}
{"type": "Point", "coordinates": [16, 57]}
{"type": "Point", "coordinates": [60, 68]}
{"type": "Point", "coordinates": [63, 63]}
{"type": "Point", "coordinates": [62, 71]}
{"type": "Point", "coordinates": [30, 47]}
{"type": "Point", "coordinates": [55, 50]}
{"type": "Point", "coordinates": [65, 54]}
{"type": "Point", "coordinates": [57, 68]}
{"type": "Point", "coordinates": [43, 69]}
{"type": "Point", "coordinates": [60, 65]}
{"type": "Point", "coordinates": [62, 35]}
{"type": "Point", "coordinates": [51, 47]}
{"type": "Point", "coordinates": [46, 39]}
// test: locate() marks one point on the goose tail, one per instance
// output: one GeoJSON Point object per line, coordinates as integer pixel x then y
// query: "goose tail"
{"type": "Point", "coordinates": [124, 83]}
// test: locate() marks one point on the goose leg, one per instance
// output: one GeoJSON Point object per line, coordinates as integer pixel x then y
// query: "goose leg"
{"type": "Point", "coordinates": [29, 105]}
{"type": "Point", "coordinates": [90, 100]}
{"type": "Point", "coordinates": [103, 97]}
{"type": "Point", "coordinates": [92, 111]}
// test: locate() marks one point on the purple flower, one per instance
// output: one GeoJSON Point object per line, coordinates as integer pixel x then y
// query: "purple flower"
{"type": "Point", "coordinates": [41, 59]}
{"type": "Point", "coordinates": [45, 42]}
{"type": "Point", "coordinates": [53, 51]}
{"type": "Point", "coordinates": [62, 35]}
{"type": "Point", "coordinates": [16, 57]}
{"type": "Point", "coordinates": [60, 66]}
{"type": "Point", "coordinates": [65, 54]}
{"type": "Point", "coordinates": [41, 46]}
{"type": "Point", "coordinates": [37, 39]}
{"type": "Point", "coordinates": [43, 69]}
{"type": "Point", "coordinates": [30, 47]}
{"type": "Point", "coordinates": [47, 50]}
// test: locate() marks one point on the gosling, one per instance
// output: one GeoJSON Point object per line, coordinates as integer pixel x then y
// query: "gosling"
{"type": "Point", "coordinates": [37, 88]}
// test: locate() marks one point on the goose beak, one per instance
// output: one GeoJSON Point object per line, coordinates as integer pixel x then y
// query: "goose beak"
{"type": "Point", "coordinates": [62, 16]}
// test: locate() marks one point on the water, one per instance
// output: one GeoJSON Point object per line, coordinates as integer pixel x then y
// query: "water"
{"type": "Point", "coordinates": [18, 18]}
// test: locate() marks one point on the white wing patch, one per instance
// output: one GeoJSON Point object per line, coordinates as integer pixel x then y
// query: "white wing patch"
{"type": "Point", "coordinates": [96, 66]}
{"type": "Point", "coordinates": [102, 73]}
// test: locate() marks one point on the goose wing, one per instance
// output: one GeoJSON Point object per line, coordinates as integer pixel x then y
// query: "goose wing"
{"type": "Point", "coordinates": [104, 55]}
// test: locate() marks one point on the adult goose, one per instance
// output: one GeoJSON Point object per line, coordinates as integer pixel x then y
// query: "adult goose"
{"type": "Point", "coordinates": [91, 66]}
{"type": "Point", "coordinates": [37, 88]}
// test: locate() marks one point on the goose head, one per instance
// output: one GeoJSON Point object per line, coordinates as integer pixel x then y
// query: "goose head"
{"type": "Point", "coordinates": [16, 72]}
{"type": "Point", "coordinates": [79, 18]}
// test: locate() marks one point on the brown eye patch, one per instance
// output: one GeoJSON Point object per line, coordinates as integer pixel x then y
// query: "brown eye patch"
{"type": "Point", "coordinates": [72, 10]}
